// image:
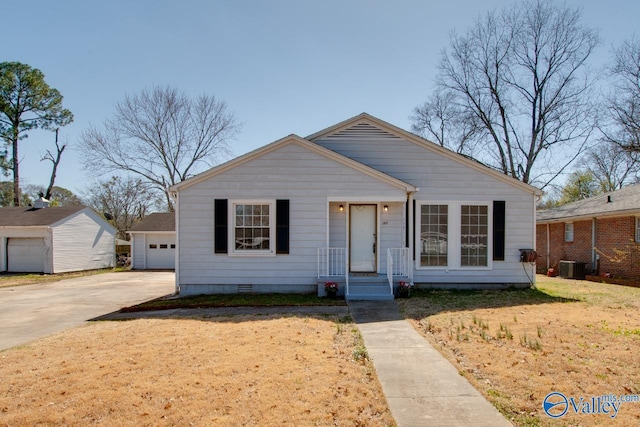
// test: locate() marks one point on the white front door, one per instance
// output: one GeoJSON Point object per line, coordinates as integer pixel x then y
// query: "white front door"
{"type": "Point", "coordinates": [362, 239]}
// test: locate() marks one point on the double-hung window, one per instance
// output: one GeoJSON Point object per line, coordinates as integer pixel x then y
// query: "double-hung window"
{"type": "Point", "coordinates": [474, 235]}
{"type": "Point", "coordinates": [434, 235]}
{"type": "Point", "coordinates": [455, 235]}
{"type": "Point", "coordinates": [568, 232]}
{"type": "Point", "coordinates": [637, 229]}
{"type": "Point", "coordinates": [253, 227]}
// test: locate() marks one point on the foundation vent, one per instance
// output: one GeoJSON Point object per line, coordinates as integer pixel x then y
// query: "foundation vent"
{"type": "Point", "coordinates": [243, 289]}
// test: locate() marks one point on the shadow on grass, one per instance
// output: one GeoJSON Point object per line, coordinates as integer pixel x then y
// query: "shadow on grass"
{"type": "Point", "coordinates": [224, 305]}
{"type": "Point", "coordinates": [234, 300]}
{"type": "Point", "coordinates": [428, 302]}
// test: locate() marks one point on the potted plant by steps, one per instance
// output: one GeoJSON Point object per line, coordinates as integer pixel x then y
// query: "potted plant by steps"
{"type": "Point", "coordinates": [404, 289]}
{"type": "Point", "coordinates": [331, 288]}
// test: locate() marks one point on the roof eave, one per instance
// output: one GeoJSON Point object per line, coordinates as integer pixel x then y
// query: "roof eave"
{"type": "Point", "coordinates": [300, 141]}
{"type": "Point", "coordinates": [613, 214]}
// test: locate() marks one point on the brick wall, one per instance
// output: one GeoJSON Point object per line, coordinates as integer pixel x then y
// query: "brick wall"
{"type": "Point", "coordinates": [619, 253]}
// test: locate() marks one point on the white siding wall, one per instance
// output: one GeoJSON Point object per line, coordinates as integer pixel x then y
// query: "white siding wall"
{"type": "Point", "coordinates": [337, 225]}
{"type": "Point", "coordinates": [27, 232]}
{"type": "Point", "coordinates": [84, 241]}
{"type": "Point", "coordinates": [392, 233]}
{"type": "Point", "coordinates": [441, 179]}
{"type": "Point", "coordinates": [291, 172]}
{"type": "Point", "coordinates": [138, 245]}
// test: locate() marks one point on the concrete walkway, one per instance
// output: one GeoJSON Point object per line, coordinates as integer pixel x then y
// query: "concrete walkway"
{"type": "Point", "coordinates": [422, 388]}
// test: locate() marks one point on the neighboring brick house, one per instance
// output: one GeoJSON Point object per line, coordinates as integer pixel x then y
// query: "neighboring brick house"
{"type": "Point", "coordinates": [602, 231]}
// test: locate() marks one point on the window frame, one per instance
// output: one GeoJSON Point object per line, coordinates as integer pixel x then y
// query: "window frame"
{"type": "Point", "coordinates": [567, 233]}
{"type": "Point", "coordinates": [454, 244]}
{"type": "Point", "coordinates": [419, 237]}
{"type": "Point", "coordinates": [488, 235]}
{"type": "Point", "coordinates": [637, 239]}
{"type": "Point", "coordinates": [271, 252]}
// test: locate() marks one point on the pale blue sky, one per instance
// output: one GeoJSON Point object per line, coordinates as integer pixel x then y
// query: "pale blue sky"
{"type": "Point", "coordinates": [282, 66]}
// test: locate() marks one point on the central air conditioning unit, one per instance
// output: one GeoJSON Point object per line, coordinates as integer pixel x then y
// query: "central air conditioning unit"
{"type": "Point", "coordinates": [572, 269]}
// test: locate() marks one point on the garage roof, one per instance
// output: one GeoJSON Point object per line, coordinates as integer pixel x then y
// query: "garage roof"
{"type": "Point", "coordinates": [32, 217]}
{"type": "Point", "coordinates": [159, 221]}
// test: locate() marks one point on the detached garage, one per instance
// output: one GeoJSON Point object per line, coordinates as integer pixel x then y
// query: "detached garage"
{"type": "Point", "coordinates": [153, 243]}
{"type": "Point", "coordinates": [49, 240]}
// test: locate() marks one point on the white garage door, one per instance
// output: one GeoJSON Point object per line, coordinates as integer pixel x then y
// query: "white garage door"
{"type": "Point", "coordinates": [26, 255]}
{"type": "Point", "coordinates": [161, 252]}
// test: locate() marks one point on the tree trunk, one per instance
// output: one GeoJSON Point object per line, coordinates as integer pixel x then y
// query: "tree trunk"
{"type": "Point", "coordinates": [16, 173]}
{"type": "Point", "coordinates": [56, 162]}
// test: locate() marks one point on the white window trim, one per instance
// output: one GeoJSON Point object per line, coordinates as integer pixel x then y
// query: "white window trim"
{"type": "Point", "coordinates": [233, 252]}
{"type": "Point", "coordinates": [637, 229]}
{"type": "Point", "coordinates": [454, 252]}
{"type": "Point", "coordinates": [572, 232]}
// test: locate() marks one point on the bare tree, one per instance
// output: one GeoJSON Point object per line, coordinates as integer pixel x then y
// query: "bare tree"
{"type": "Point", "coordinates": [518, 72]}
{"type": "Point", "coordinates": [122, 201]}
{"type": "Point", "coordinates": [59, 196]}
{"type": "Point", "coordinates": [55, 160]}
{"type": "Point", "coordinates": [612, 166]}
{"type": "Point", "coordinates": [623, 102]}
{"type": "Point", "coordinates": [441, 120]}
{"type": "Point", "coordinates": [162, 136]}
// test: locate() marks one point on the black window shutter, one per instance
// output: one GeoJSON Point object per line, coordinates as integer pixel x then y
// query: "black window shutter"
{"type": "Point", "coordinates": [282, 226]}
{"type": "Point", "coordinates": [415, 222]}
{"type": "Point", "coordinates": [498, 230]}
{"type": "Point", "coordinates": [221, 221]}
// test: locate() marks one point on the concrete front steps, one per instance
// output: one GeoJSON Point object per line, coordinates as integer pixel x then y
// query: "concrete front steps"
{"type": "Point", "coordinates": [363, 288]}
{"type": "Point", "coordinates": [369, 288]}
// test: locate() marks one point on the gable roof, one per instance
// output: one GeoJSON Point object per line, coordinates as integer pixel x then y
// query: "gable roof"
{"type": "Point", "coordinates": [159, 221]}
{"type": "Point", "coordinates": [294, 139]}
{"type": "Point", "coordinates": [619, 202]}
{"type": "Point", "coordinates": [394, 131]}
{"type": "Point", "coordinates": [32, 217]}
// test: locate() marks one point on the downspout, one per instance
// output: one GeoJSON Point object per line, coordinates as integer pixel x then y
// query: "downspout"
{"type": "Point", "coordinates": [548, 248]}
{"type": "Point", "coordinates": [178, 245]}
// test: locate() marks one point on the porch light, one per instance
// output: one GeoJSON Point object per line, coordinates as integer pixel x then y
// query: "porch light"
{"type": "Point", "coordinates": [386, 208]}
{"type": "Point", "coordinates": [341, 208]}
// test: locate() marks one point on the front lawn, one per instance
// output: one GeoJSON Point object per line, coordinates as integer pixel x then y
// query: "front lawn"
{"type": "Point", "coordinates": [250, 370]}
{"type": "Point", "coordinates": [578, 338]}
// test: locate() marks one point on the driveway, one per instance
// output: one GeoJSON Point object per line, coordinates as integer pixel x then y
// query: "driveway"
{"type": "Point", "coordinates": [35, 311]}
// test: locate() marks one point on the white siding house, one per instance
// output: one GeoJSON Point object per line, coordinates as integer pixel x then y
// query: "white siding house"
{"type": "Point", "coordinates": [363, 203]}
{"type": "Point", "coordinates": [55, 240]}
{"type": "Point", "coordinates": [153, 242]}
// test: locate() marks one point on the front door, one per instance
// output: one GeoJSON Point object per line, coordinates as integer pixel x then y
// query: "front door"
{"type": "Point", "coordinates": [362, 239]}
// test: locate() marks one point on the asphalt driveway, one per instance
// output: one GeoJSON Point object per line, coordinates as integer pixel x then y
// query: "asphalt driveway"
{"type": "Point", "coordinates": [35, 311]}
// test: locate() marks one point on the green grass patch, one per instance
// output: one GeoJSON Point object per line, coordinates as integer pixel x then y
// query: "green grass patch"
{"type": "Point", "coordinates": [235, 300]}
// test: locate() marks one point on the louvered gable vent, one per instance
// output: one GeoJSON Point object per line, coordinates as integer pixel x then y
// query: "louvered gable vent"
{"type": "Point", "coordinates": [361, 130]}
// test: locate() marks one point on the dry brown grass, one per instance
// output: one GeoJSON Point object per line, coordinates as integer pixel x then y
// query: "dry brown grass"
{"type": "Point", "coordinates": [20, 279]}
{"type": "Point", "coordinates": [234, 371]}
{"type": "Point", "coordinates": [577, 338]}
